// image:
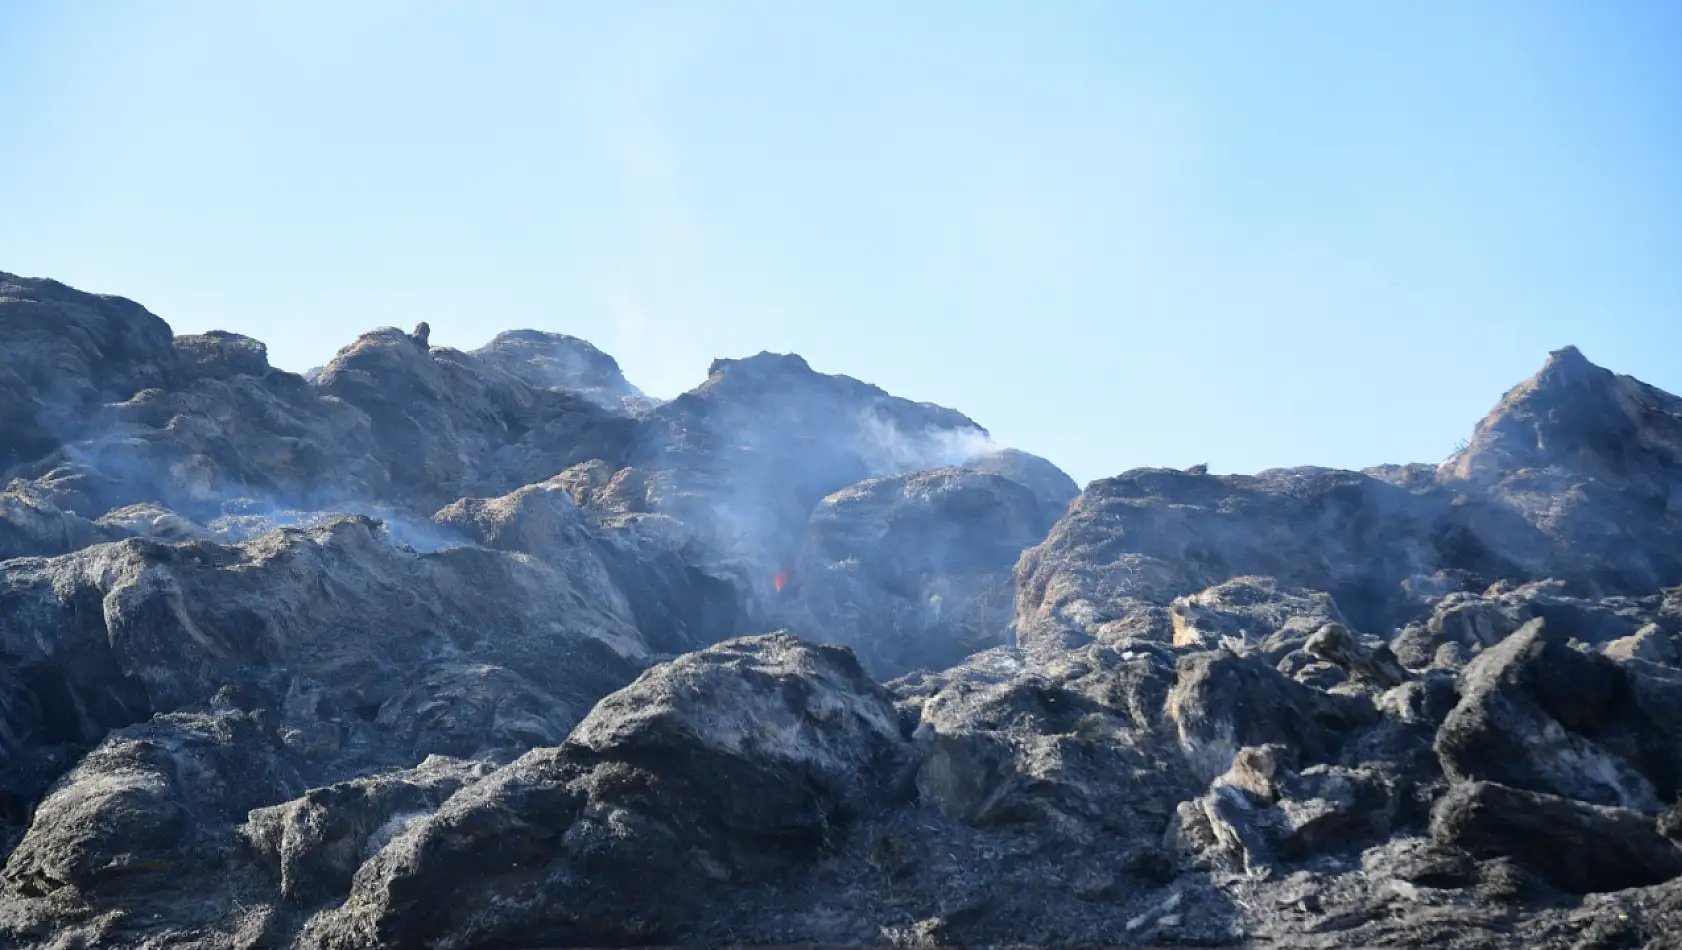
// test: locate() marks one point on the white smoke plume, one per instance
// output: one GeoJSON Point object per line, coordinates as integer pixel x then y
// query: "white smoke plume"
{"type": "Point", "coordinates": [888, 450]}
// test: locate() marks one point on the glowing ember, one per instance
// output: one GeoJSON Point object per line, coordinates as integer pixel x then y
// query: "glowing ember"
{"type": "Point", "coordinates": [781, 580]}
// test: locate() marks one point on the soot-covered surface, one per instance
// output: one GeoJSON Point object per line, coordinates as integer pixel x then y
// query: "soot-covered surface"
{"type": "Point", "coordinates": [481, 649]}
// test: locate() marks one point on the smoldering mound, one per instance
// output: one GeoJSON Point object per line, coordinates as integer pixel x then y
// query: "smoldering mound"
{"type": "Point", "coordinates": [464, 649]}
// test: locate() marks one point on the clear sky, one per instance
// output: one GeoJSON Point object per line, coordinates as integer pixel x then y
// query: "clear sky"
{"type": "Point", "coordinates": [1116, 234]}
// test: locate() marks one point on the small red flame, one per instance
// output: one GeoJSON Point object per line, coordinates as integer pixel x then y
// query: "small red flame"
{"type": "Point", "coordinates": [781, 580]}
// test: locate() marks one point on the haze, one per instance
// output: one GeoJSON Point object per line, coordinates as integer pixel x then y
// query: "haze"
{"type": "Point", "coordinates": [1115, 234]}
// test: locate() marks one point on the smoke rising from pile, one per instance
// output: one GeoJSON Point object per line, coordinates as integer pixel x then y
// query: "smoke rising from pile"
{"type": "Point", "coordinates": [249, 518]}
{"type": "Point", "coordinates": [889, 450]}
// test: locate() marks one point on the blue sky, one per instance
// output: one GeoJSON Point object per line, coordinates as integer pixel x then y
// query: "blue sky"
{"type": "Point", "coordinates": [1116, 234]}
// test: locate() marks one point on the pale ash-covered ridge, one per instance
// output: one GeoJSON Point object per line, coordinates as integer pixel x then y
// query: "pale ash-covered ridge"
{"type": "Point", "coordinates": [1591, 459]}
{"type": "Point", "coordinates": [558, 361]}
{"type": "Point", "coordinates": [66, 352]}
{"type": "Point", "coordinates": [1415, 706]}
{"type": "Point", "coordinates": [1583, 418]}
{"type": "Point", "coordinates": [1576, 474]}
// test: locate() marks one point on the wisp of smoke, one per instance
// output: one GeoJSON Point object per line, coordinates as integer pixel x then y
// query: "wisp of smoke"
{"type": "Point", "coordinates": [248, 518]}
{"type": "Point", "coordinates": [889, 450]}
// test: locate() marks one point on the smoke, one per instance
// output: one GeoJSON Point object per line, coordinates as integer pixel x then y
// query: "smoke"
{"type": "Point", "coordinates": [888, 449]}
{"type": "Point", "coordinates": [248, 518]}
{"type": "Point", "coordinates": [422, 537]}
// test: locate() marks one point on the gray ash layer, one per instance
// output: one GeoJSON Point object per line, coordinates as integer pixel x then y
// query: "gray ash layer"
{"type": "Point", "coordinates": [449, 649]}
